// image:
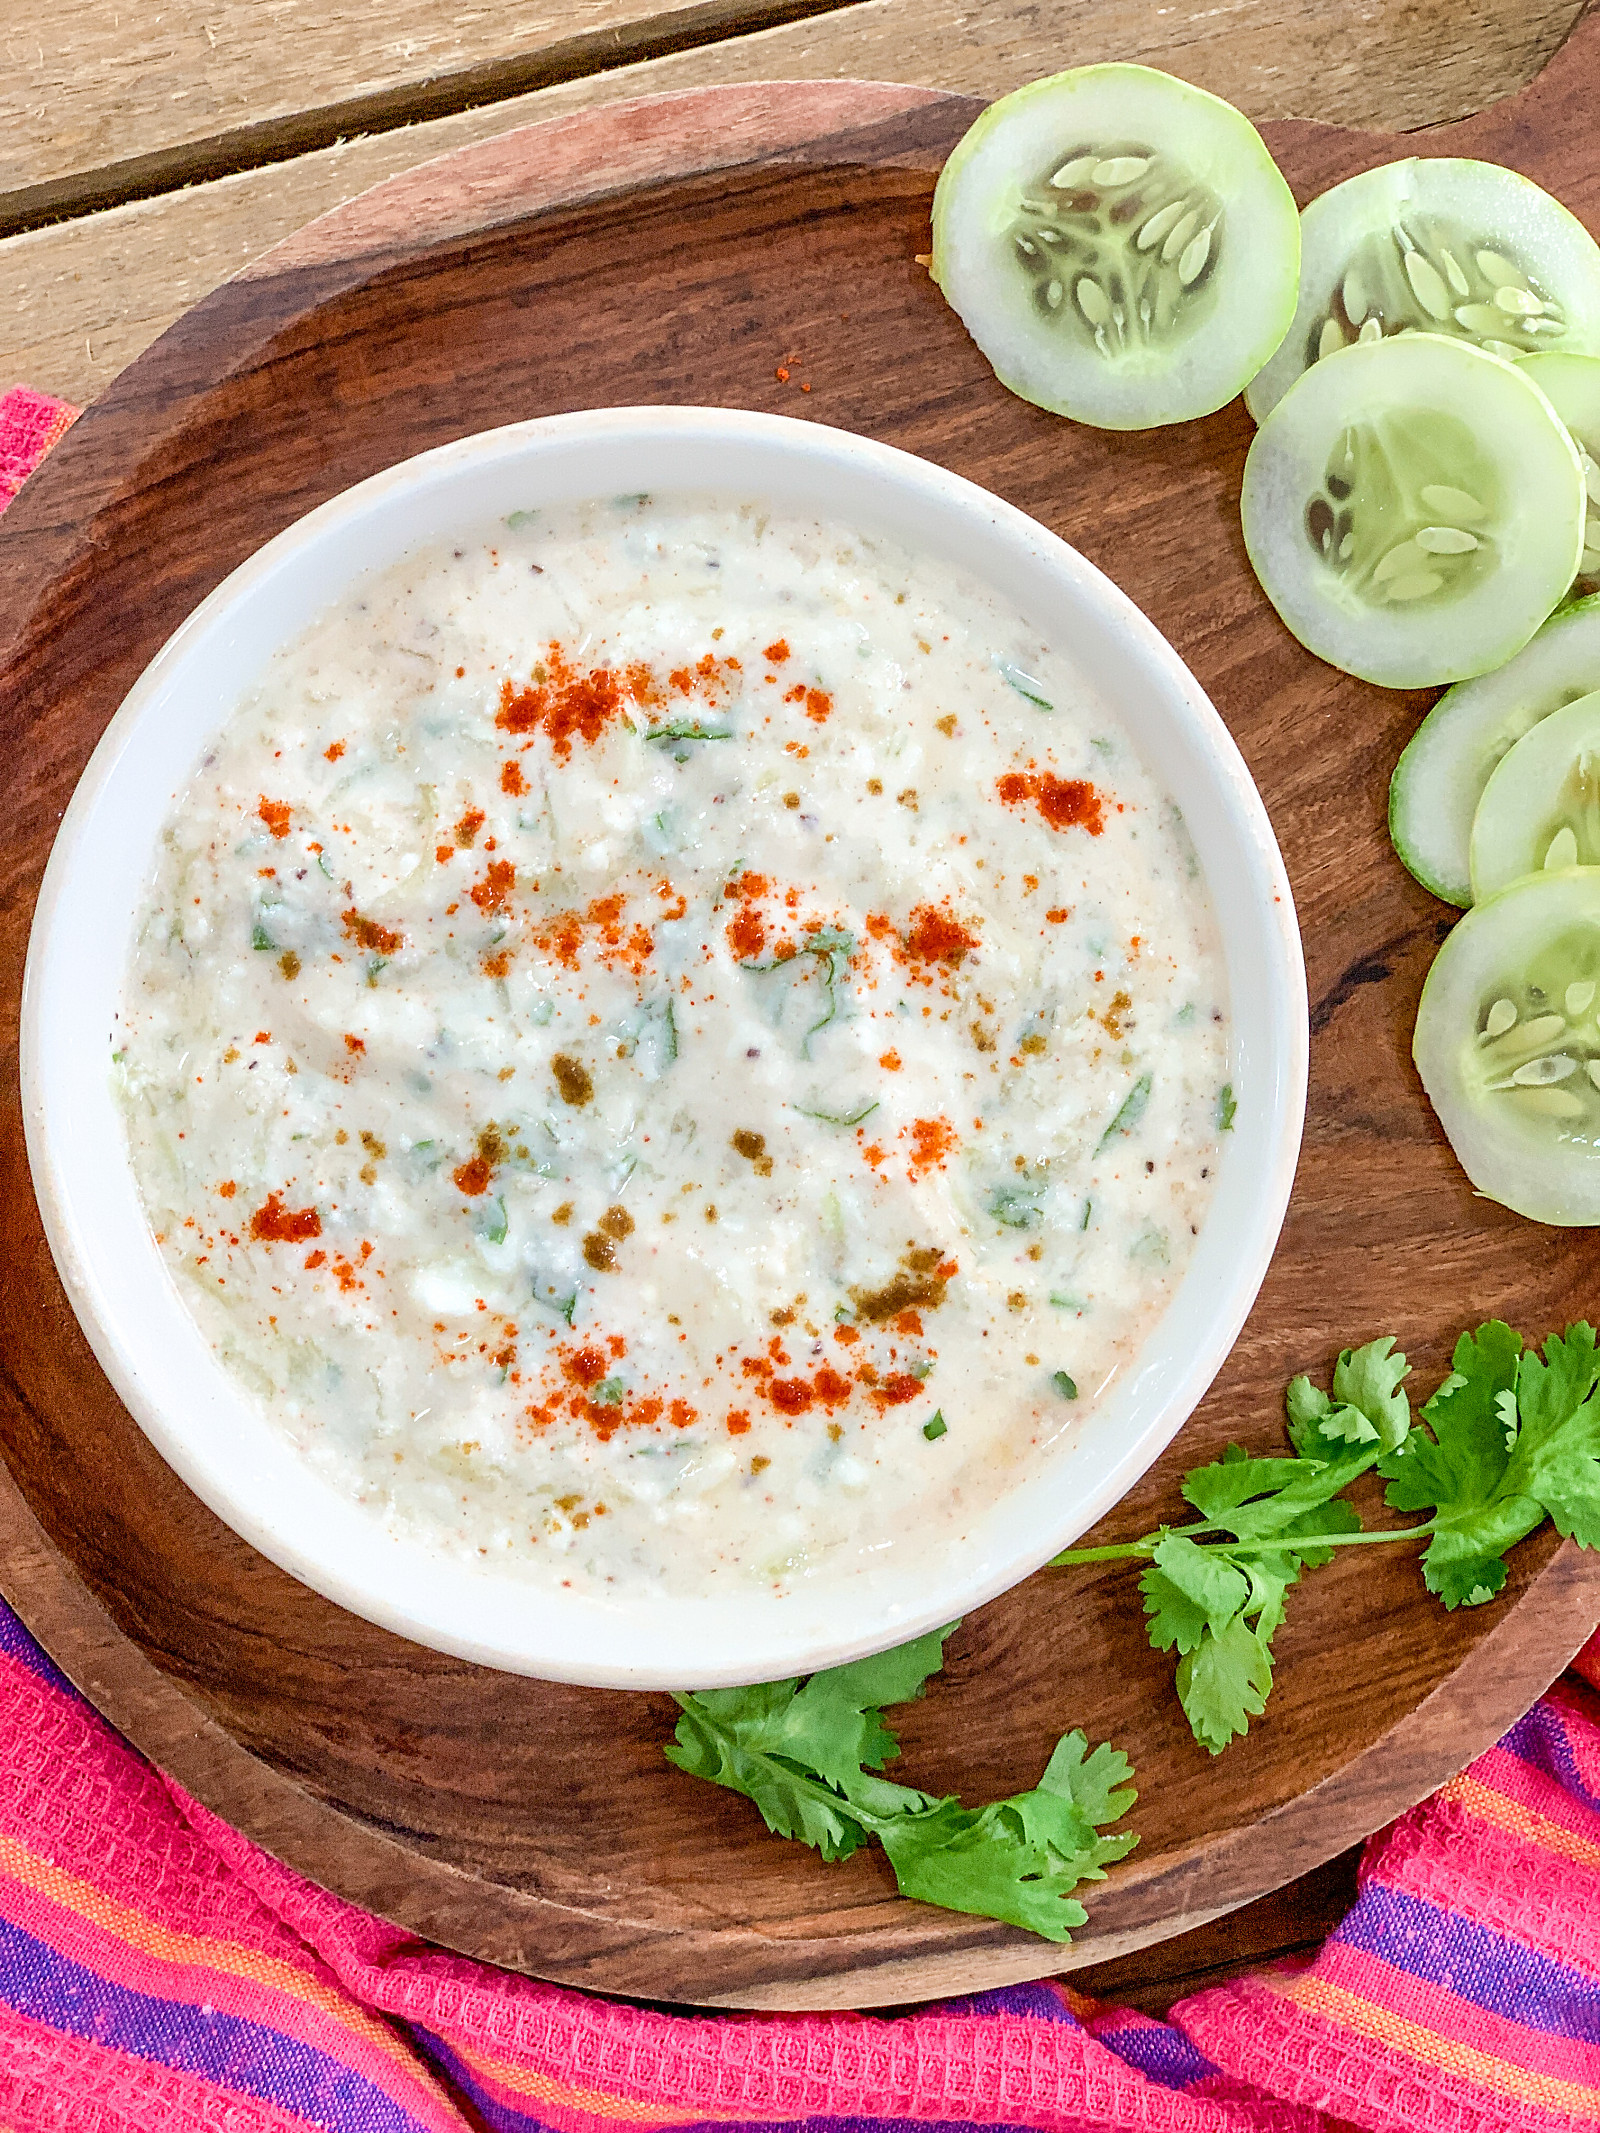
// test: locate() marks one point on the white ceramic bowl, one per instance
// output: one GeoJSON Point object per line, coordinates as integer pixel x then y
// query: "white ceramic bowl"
{"type": "Point", "coordinates": [212, 1433]}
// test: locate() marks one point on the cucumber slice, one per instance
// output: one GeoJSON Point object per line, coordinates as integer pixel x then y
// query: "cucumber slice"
{"type": "Point", "coordinates": [1541, 807]}
{"type": "Point", "coordinates": [1571, 384]}
{"type": "Point", "coordinates": [1440, 778]}
{"type": "Point", "coordinates": [1508, 1046]}
{"type": "Point", "coordinates": [1120, 245]}
{"type": "Point", "coordinates": [1445, 246]}
{"type": "Point", "coordinates": [1413, 509]}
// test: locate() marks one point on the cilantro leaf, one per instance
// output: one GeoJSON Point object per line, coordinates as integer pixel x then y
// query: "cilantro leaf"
{"type": "Point", "coordinates": [1188, 1590]}
{"type": "Point", "coordinates": [1020, 1859]}
{"type": "Point", "coordinates": [1306, 1405]}
{"type": "Point", "coordinates": [1459, 1465]}
{"type": "Point", "coordinates": [1367, 1408]}
{"type": "Point", "coordinates": [791, 1805]}
{"type": "Point", "coordinates": [1464, 1460]}
{"type": "Point", "coordinates": [807, 1754]}
{"type": "Point", "coordinates": [1334, 1516]}
{"type": "Point", "coordinates": [1101, 1782]}
{"type": "Point", "coordinates": [834, 1726]}
{"type": "Point", "coordinates": [1466, 1568]}
{"type": "Point", "coordinates": [1224, 1683]}
{"type": "Point", "coordinates": [1234, 1479]}
{"type": "Point", "coordinates": [1559, 1440]}
{"type": "Point", "coordinates": [987, 1863]}
{"type": "Point", "coordinates": [1510, 1438]}
{"type": "Point", "coordinates": [1369, 1379]}
{"type": "Point", "coordinates": [1260, 1499]}
{"type": "Point", "coordinates": [1174, 1619]}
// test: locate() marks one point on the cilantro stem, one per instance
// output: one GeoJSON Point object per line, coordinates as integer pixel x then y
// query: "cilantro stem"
{"type": "Point", "coordinates": [1301, 1541]}
{"type": "Point", "coordinates": [1268, 1544]}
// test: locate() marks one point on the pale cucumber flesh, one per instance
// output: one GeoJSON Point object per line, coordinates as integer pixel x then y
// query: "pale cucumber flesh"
{"type": "Point", "coordinates": [1540, 810]}
{"type": "Point", "coordinates": [1120, 245]}
{"type": "Point", "coordinates": [1413, 509]}
{"type": "Point", "coordinates": [1442, 245]}
{"type": "Point", "coordinates": [1507, 1043]}
{"type": "Point", "coordinates": [1440, 778]}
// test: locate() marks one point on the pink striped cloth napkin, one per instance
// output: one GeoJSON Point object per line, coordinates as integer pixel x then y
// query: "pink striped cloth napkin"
{"type": "Point", "coordinates": [159, 1971]}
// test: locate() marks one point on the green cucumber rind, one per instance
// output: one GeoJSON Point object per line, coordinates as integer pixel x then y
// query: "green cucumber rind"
{"type": "Point", "coordinates": [1266, 272]}
{"type": "Point", "coordinates": [1390, 647]}
{"type": "Point", "coordinates": [1327, 224]}
{"type": "Point", "coordinates": [1562, 658]}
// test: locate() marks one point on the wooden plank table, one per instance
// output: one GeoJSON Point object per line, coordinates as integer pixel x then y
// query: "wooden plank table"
{"type": "Point", "coordinates": [145, 158]}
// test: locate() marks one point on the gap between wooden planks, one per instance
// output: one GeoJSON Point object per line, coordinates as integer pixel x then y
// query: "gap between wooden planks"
{"type": "Point", "coordinates": [80, 299]}
{"type": "Point", "coordinates": [125, 104]}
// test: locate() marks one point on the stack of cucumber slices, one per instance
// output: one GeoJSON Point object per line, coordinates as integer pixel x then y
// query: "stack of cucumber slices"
{"type": "Point", "coordinates": [1420, 350]}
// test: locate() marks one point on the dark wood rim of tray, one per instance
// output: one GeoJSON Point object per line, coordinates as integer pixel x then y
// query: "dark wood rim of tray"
{"type": "Point", "coordinates": [1504, 1658]}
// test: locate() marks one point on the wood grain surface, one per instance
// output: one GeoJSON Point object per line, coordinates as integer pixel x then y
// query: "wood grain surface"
{"type": "Point", "coordinates": [78, 301]}
{"type": "Point", "coordinates": [535, 1825]}
{"type": "Point", "coordinates": [123, 101]}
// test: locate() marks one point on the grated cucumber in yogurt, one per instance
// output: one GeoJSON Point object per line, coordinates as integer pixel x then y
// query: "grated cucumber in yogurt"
{"type": "Point", "coordinates": [675, 1047]}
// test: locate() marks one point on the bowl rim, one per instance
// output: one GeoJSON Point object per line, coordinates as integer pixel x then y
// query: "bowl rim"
{"type": "Point", "coordinates": [464, 1611]}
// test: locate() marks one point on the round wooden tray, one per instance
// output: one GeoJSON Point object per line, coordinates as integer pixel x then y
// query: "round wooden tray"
{"type": "Point", "coordinates": [742, 245]}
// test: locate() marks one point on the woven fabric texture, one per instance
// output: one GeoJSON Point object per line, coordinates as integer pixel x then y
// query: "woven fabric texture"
{"type": "Point", "coordinates": [158, 1971]}
{"type": "Point", "coordinates": [29, 424]}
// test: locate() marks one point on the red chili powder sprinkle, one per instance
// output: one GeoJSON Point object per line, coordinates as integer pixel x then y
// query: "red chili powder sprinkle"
{"type": "Point", "coordinates": [511, 778]}
{"type": "Point", "coordinates": [466, 830]}
{"type": "Point", "coordinates": [368, 934]}
{"type": "Point", "coordinates": [275, 814]}
{"type": "Point", "coordinates": [889, 1061]}
{"type": "Point", "coordinates": [273, 1223]}
{"type": "Point", "coordinates": [334, 751]}
{"type": "Point", "coordinates": [490, 893]}
{"type": "Point", "coordinates": [1057, 917]}
{"type": "Point", "coordinates": [932, 1139]}
{"type": "Point", "coordinates": [587, 1367]}
{"type": "Point", "coordinates": [314, 1260]}
{"type": "Point", "coordinates": [227, 1189]}
{"type": "Point", "coordinates": [747, 934]}
{"type": "Point", "coordinates": [738, 1422]}
{"type": "Point", "coordinates": [443, 852]}
{"type": "Point", "coordinates": [936, 936]}
{"type": "Point", "coordinates": [566, 702]}
{"type": "Point", "coordinates": [896, 1391]}
{"type": "Point", "coordinates": [472, 1177]}
{"type": "Point", "coordinates": [791, 1396]}
{"type": "Point", "coordinates": [818, 704]}
{"type": "Point", "coordinates": [354, 1044]}
{"type": "Point", "coordinates": [776, 652]}
{"type": "Point", "coordinates": [1065, 803]}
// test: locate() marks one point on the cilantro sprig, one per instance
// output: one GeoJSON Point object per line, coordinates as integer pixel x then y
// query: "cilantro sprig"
{"type": "Point", "coordinates": [1510, 1438]}
{"type": "Point", "coordinates": [810, 1756]}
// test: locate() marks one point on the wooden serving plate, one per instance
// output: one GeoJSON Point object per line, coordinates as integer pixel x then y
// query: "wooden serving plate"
{"type": "Point", "coordinates": [741, 245]}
